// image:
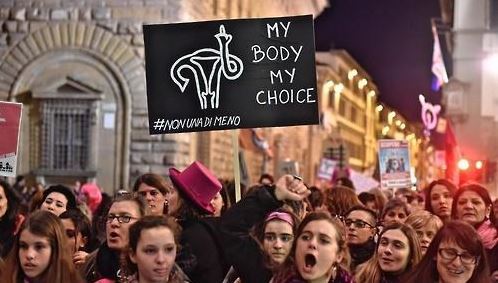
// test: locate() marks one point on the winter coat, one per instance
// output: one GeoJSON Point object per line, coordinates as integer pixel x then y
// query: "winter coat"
{"type": "Point", "coordinates": [243, 252]}
{"type": "Point", "coordinates": [201, 256]}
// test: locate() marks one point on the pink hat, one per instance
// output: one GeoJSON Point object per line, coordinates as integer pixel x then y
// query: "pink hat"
{"type": "Point", "coordinates": [198, 184]}
{"type": "Point", "coordinates": [93, 195]}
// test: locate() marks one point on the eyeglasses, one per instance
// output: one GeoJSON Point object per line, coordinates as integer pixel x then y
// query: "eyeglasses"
{"type": "Point", "coordinates": [153, 193]}
{"type": "Point", "coordinates": [451, 254]}
{"type": "Point", "coordinates": [120, 218]}
{"type": "Point", "coordinates": [360, 224]}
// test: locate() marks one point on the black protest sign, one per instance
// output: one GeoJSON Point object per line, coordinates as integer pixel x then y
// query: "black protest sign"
{"type": "Point", "coordinates": [231, 74]}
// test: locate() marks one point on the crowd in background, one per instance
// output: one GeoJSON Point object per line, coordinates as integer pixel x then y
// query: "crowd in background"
{"type": "Point", "coordinates": [188, 228]}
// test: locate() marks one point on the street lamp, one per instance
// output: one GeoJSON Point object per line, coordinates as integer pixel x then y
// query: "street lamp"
{"type": "Point", "coordinates": [352, 74]}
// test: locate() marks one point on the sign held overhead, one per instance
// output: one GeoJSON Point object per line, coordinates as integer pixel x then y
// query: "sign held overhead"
{"type": "Point", "coordinates": [231, 74]}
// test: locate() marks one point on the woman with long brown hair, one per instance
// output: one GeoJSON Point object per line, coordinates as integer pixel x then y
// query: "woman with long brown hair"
{"type": "Point", "coordinates": [39, 254]}
{"type": "Point", "coordinates": [319, 253]}
{"type": "Point", "coordinates": [398, 251]}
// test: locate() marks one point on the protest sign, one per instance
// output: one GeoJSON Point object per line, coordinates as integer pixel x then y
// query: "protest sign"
{"type": "Point", "coordinates": [230, 74]}
{"type": "Point", "coordinates": [10, 122]}
{"type": "Point", "coordinates": [326, 169]}
{"type": "Point", "coordinates": [394, 164]}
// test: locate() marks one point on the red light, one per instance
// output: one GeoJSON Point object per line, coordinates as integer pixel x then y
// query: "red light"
{"type": "Point", "coordinates": [463, 164]}
{"type": "Point", "coordinates": [479, 164]}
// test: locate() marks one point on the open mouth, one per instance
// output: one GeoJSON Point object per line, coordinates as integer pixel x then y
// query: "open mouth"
{"type": "Point", "coordinates": [113, 235]}
{"type": "Point", "coordinates": [309, 260]}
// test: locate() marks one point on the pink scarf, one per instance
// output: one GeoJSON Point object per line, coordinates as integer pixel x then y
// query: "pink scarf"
{"type": "Point", "coordinates": [487, 233]}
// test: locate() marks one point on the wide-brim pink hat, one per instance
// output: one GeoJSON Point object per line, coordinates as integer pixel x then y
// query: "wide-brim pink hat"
{"type": "Point", "coordinates": [198, 184]}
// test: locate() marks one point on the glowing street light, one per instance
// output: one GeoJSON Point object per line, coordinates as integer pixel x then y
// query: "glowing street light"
{"type": "Point", "coordinates": [352, 74]}
{"type": "Point", "coordinates": [362, 83]}
{"type": "Point", "coordinates": [391, 116]}
{"type": "Point", "coordinates": [379, 108]}
{"type": "Point", "coordinates": [338, 88]}
{"type": "Point", "coordinates": [328, 84]}
{"type": "Point", "coordinates": [385, 130]}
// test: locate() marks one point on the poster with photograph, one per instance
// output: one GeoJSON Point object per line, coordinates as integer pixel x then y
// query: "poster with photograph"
{"type": "Point", "coordinates": [326, 169]}
{"type": "Point", "coordinates": [394, 164]}
{"type": "Point", "coordinates": [10, 122]}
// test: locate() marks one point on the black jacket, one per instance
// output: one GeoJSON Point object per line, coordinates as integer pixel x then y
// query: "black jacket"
{"type": "Point", "coordinates": [201, 256]}
{"type": "Point", "coordinates": [243, 252]}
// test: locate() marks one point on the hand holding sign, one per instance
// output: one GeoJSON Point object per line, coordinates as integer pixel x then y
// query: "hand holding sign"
{"type": "Point", "coordinates": [289, 187]}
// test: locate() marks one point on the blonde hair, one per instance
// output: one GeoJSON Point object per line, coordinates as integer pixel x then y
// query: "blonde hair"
{"type": "Point", "coordinates": [422, 218]}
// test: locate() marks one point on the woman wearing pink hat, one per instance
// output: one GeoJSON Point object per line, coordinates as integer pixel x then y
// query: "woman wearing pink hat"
{"type": "Point", "coordinates": [202, 255]}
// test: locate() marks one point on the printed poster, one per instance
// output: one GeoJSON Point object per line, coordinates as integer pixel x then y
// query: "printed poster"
{"type": "Point", "coordinates": [394, 164]}
{"type": "Point", "coordinates": [10, 122]}
{"type": "Point", "coordinates": [231, 74]}
{"type": "Point", "coordinates": [326, 169]}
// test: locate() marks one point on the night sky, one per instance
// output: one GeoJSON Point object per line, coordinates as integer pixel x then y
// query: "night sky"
{"type": "Point", "coordinates": [391, 39]}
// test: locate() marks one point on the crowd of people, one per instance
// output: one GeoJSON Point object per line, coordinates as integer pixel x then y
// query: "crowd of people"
{"type": "Point", "coordinates": [188, 228]}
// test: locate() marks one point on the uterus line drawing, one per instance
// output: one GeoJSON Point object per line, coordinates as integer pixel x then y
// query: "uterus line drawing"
{"type": "Point", "coordinates": [207, 82]}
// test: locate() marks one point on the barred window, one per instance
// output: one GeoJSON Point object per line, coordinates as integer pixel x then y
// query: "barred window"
{"type": "Point", "coordinates": [65, 134]}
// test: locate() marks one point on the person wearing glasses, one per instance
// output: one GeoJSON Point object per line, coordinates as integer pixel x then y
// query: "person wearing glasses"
{"type": "Point", "coordinates": [472, 204]}
{"type": "Point", "coordinates": [397, 253]}
{"type": "Point", "coordinates": [455, 255]}
{"type": "Point", "coordinates": [257, 233]}
{"type": "Point", "coordinates": [360, 223]}
{"type": "Point", "coordinates": [104, 263]}
{"type": "Point", "coordinates": [154, 189]}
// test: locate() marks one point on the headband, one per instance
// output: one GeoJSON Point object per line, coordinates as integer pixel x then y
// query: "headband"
{"type": "Point", "coordinates": [283, 216]}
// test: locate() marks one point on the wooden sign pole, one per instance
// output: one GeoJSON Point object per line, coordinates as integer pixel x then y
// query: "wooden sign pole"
{"type": "Point", "coordinates": [236, 163]}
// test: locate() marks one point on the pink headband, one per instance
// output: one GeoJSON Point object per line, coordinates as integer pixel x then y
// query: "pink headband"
{"type": "Point", "coordinates": [280, 216]}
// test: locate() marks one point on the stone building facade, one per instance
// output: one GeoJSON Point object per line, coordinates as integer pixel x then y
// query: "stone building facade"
{"type": "Point", "coordinates": [349, 98]}
{"type": "Point", "coordinates": [78, 68]}
{"type": "Point", "coordinates": [471, 99]}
